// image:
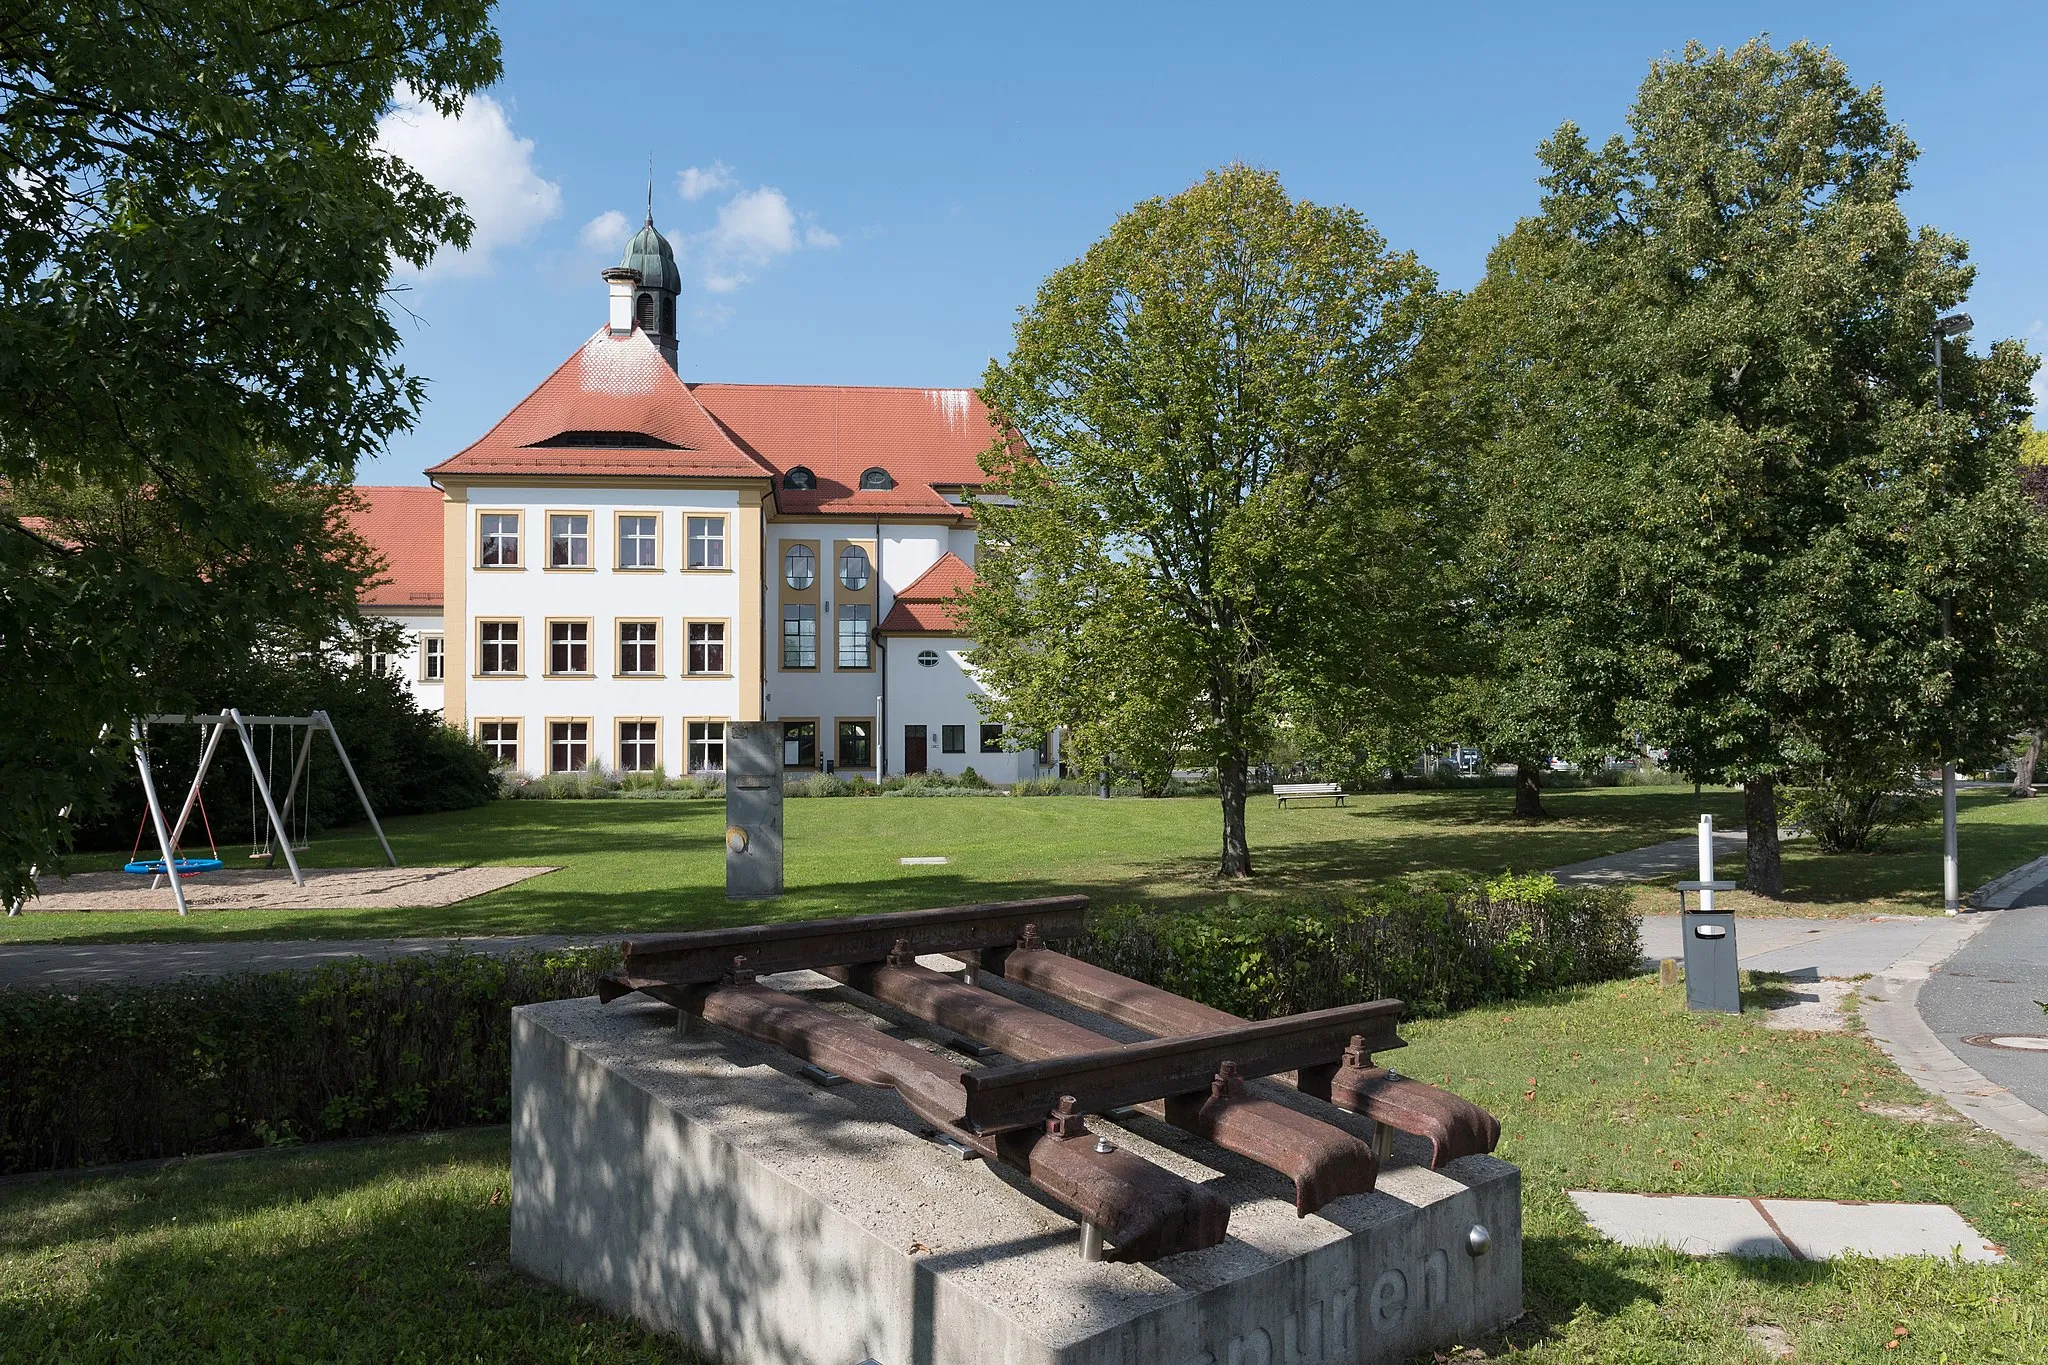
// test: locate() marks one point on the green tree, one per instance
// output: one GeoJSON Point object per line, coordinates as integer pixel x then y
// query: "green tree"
{"type": "Point", "coordinates": [1212, 516]}
{"type": "Point", "coordinates": [196, 234]}
{"type": "Point", "coordinates": [1716, 481]}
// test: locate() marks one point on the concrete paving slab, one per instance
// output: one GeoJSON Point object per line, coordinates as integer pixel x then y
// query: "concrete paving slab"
{"type": "Point", "coordinates": [1698, 1225]}
{"type": "Point", "coordinates": [1821, 1229]}
{"type": "Point", "coordinates": [1801, 1229]}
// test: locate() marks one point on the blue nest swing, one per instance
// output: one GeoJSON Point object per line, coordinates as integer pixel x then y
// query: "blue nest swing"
{"type": "Point", "coordinates": [177, 866]}
{"type": "Point", "coordinates": [183, 867]}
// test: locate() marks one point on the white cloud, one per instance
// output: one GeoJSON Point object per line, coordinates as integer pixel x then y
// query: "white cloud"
{"type": "Point", "coordinates": [755, 225]}
{"type": "Point", "coordinates": [694, 182]}
{"type": "Point", "coordinates": [605, 231]}
{"type": "Point", "coordinates": [754, 228]}
{"type": "Point", "coordinates": [475, 155]}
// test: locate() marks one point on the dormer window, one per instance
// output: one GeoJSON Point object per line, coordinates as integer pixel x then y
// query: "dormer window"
{"type": "Point", "coordinates": [800, 480]}
{"type": "Point", "coordinates": [875, 480]}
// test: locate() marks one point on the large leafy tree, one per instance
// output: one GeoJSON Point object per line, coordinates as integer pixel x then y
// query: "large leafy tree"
{"type": "Point", "coordinates": [1213, 519]}
{"type": "Point", "coordinates": [1718, 492]}
{"type": "Point", "coordinates": [196, 235]}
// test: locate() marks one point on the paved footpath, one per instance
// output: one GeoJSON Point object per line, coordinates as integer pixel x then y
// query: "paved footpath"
{"type": "Point", "coordinates": [1672, 858]}
{"type": "Point", "coordinates": [1806, 949]}
{"type": "Point", "coordinates": [80, 964]}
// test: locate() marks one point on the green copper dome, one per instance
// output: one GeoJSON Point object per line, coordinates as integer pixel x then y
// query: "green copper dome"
{"type": "Point", "coordinates": [650, 254]}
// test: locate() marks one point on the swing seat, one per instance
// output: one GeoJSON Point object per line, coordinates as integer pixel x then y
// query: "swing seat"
{"type": "Point", "coordinates": [183, 867]}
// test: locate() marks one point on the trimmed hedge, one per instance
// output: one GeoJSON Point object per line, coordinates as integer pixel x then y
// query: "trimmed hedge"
{"type": "Point", "coordinates": [1437, 946]}
{"type": "Point", "coordinates": [118, 1073]}
{"type": "Point", "coordinates": [359, 1047]}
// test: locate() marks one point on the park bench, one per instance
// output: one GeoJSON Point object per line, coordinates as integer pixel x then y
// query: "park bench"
{"type": "Point", "coordinates": [1299, 791]}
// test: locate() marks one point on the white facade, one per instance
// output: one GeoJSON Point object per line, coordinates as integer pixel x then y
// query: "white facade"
{"type": "Point", "coordinates": [580, 632]}
{"type": "Point", "coordinates": [420, 663]}
{"type": "Point", "coordinates": [931, 692]}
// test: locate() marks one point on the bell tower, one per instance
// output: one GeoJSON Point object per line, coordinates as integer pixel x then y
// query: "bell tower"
{"type": "Point", "coordinates": [653, 295]}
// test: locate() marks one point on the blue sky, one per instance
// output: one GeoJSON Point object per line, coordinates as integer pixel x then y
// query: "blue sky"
{"type": "Point", "coordinates": [866, 194]}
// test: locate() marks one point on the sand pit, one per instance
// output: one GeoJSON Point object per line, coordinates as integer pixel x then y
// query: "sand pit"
{"type": "Point", "coordinates": [348, 888]}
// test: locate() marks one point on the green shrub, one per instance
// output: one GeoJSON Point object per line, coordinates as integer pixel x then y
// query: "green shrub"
{"type": "Point", "coordinates": [1436, 946]}
{"type": "Point", "coordinates": [1056, 786]}
{"type": "Point", "coordinates": [1849, 812]}
{"type": "Point", "coordinates": [932, 784]}
{"type": "Point", "coordinates": [116, 1073]}
{"type": "Point", "coordinates": [587, 785]}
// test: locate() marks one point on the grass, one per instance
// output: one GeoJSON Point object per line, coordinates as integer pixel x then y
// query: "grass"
{"type": "Point", "coordinates": [1994, 834]}
{"type": "Point", "coordinates": [397, 1249]}
{"type": "Point", "coordinates": [631, 866]}
{"type": "Point", "coordinates": [1617, 1087]}
{"type": "Point", "coordinates": [385, 1251]}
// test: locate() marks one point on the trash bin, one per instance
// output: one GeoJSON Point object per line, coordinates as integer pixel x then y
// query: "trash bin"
{"type": "Point", "coordinates": [1712, 973]}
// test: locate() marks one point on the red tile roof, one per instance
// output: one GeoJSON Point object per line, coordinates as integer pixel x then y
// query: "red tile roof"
{"type": "Point", "coordinates": [611, 384]}
{"type": "Point", "coordinates": [405, 526]}
{"type": "Point", "coordinates": [925, 438]}
{"type": "Point", "coordinates": [927, 606]}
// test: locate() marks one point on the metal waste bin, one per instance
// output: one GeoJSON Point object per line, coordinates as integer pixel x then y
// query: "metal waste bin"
{"type": "Point", "coordinates": [753, 811]}
{"type": "Point", "coordinates": [1712, 975]}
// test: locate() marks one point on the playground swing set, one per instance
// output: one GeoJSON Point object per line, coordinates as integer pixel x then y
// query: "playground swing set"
{"type": "Point", "coordinates": [276, 822]}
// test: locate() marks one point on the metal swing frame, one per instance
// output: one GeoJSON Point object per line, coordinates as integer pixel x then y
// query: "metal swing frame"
{"type": "Point", "coordinates": [168, 834]}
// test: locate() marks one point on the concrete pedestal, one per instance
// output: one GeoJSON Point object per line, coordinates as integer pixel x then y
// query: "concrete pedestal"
{"type": "Point", "coordinates": [697, 1183]}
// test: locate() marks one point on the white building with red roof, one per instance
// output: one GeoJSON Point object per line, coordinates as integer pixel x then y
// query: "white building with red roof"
{"type": "Point", "coordinates": [628, 562]}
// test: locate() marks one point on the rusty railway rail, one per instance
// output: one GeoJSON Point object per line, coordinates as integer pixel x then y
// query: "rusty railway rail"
{"type": "Point", "coordinates": [1030, 1114]}
{"type": "Point", "coordinates": [1144, 1211]}
{"type": "Point", "coordinates": [705, 955]}
{"type": "Point", "coordinates": [1322, 1160]}
{"type": "Point", "coordinates": [1454, 1126]}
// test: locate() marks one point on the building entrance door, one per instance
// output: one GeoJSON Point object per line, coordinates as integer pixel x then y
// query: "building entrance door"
{"type": "Point", "coordinates": [913, 748]}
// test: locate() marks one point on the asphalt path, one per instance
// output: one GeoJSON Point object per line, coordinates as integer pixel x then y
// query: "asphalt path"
{"type": "Point", "coordinates": [1990, 987]}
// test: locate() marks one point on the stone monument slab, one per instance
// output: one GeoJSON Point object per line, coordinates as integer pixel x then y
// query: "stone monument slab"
{"type": "Point", "coordinates": [697, 1182]}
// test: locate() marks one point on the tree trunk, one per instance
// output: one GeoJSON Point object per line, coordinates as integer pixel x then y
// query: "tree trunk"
{"type": "Point", "coordinates": [1528, 791]}
{"type": "Point", "coordinates": [1760, 817]}
{"type": "Point", "coordinates": [1237, 853]}
{"type": "Point", "coordinates": [2023, 771]}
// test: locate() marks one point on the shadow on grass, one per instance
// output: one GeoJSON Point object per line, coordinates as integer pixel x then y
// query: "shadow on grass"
{"type": "Point", "coordinates": [368, 1253]}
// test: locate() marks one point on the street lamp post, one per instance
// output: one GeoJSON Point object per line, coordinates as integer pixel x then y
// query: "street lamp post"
{"type": "Point", "coordinates": [1955, 324]}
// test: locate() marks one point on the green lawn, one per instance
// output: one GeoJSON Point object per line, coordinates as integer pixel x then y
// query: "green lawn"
{"type": "Point", "coordinates": [384, 1251]}
{"type": "Point", "coordinates": [1994, 834]}
{"type": "Point", "coordinates": [397, 1249]}
{"type": "Point", "coordinates": [643, 865]}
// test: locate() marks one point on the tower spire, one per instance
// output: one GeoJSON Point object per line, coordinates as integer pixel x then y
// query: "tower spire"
{"type": "Point", "coordinates": [650, 188]}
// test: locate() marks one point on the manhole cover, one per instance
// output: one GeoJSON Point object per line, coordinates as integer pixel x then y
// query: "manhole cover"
{"type": "Point", "coordinates": [2015, 1042]}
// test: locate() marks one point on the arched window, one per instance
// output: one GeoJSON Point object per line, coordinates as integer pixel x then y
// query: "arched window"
{"type": "Point", "coordinates": [853, 568]}
{"type": "Point", "coordinates": [800, 567]}
{"type": "Point", "coordinates": [875, 479]}
{"type": "Point", "coordinates": [643, 312]}
{"type": "Point", "coordinates": [668, 316]}
{"type": "Point", "coordinates": [800, 479]}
